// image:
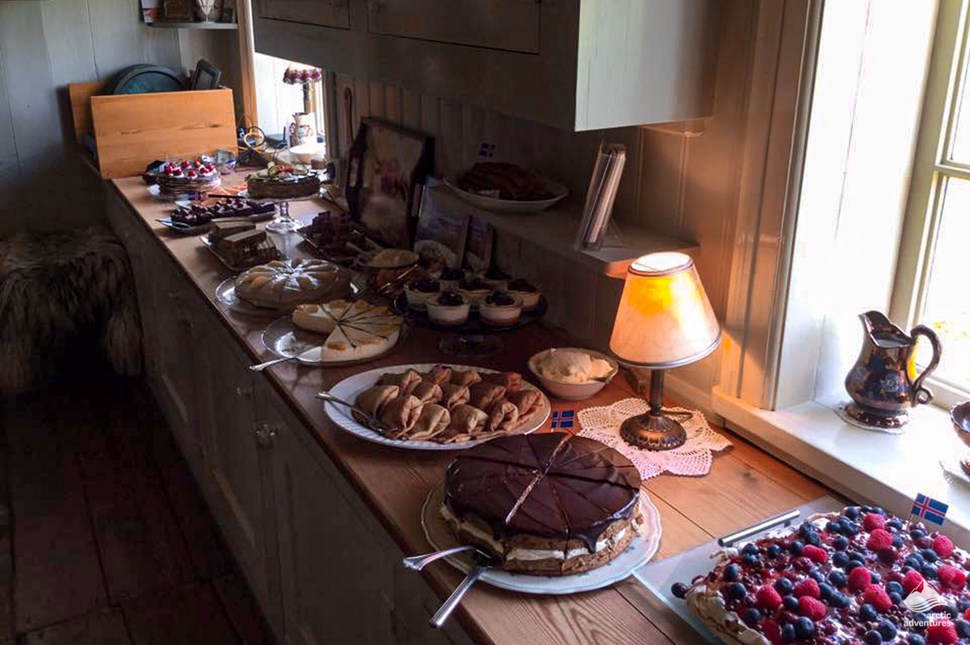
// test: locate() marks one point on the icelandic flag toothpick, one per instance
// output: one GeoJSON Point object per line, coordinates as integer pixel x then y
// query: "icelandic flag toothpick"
{"type": "Point", "coordinates": [563, 418]}
{"type": "Point", "coordinates": [930, 509]}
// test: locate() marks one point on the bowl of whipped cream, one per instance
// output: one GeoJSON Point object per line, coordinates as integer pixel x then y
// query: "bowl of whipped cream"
{"type": "Point", "coordinates": [572, 373]}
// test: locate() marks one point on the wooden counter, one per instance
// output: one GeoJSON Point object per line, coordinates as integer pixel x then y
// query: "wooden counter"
{"type": "Point", "coordinates": [745, 484]}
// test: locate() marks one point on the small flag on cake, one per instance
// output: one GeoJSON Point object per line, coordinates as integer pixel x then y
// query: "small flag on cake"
{"type": "Point", "coordinates": [563, 418]}
{"type": "Point", "coordinates": [931, 510]}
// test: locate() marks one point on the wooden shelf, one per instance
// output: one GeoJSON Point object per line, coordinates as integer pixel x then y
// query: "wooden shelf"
{"type": "Point", "coordinates": [161, 24]}
{"type": "Point", "coordinates": [555, 230]}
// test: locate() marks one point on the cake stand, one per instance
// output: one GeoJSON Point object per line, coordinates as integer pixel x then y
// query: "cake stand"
{"type": "Point", "coordinates": [475, 338]}
{"type": "Point", "coordinates": [283, 223]}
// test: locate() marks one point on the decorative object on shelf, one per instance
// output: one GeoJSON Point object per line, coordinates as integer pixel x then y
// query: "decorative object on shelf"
{"type": "Point", "coordinates": [441, 233]}
{"type": "Point", "coordinates": [206, 10]}
{"type": "Point", "coordinates": [386, 165]}
{"type": "Point", "coordinates": [144, 79]}
{"type": "Point", "coordinates": [883, 381]}
{"type": "Point", "coordinates": [960, 416]}
{"type": "Point", "coordinates": [177, 10]}
{"type": "Point", "coordinates": [603, 185]}
{"type": "Point", "coordinates": [693, 458]}
{"type": "Point", "coordinates": [664, 320]}
{"type": "Point", "coordinates": [478, 247]}
{"type": "Point", "coordinates": [304, 126]}
{"type": "Point", "coordinates": [150, 11]}
{"type": "Point", "coordinates": [206, 76]}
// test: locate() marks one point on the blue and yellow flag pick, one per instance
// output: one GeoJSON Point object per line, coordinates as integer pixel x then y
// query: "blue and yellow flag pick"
{"type": "Point", "coordinates": [931, 510]}
{"type": "Point", "coordinates": [563, 418]}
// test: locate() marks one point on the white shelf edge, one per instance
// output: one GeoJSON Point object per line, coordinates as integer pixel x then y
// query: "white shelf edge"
{"type": "Point", "coordinates": [214, 26]}
{"type": "Point", "coordinates": [555, 230]}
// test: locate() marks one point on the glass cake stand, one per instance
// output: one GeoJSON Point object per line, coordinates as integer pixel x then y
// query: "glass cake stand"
{"type": "Point", "coordinates": [283, 223]}
{"type": "Point", "coordinates": [473, 339]}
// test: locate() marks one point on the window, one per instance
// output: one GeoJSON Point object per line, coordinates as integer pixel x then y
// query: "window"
{"type": "Point", "coordinates": [932, 272]}
{"type": "Point", "coordinates": [278, 101]}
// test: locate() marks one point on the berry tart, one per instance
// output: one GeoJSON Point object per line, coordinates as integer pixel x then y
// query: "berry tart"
{"type": "Point", "coordinates": [846, 577]}
{"type": "Point", "coordinates": [500, 309]}
{"type": "Point", "coordinates": [448, 309]}
{"type": "Point", "coordinates": [450, 277]}
{"type": "Point", "coordinates": [283, 181]}
{"type": "Point", "coordinates": [497, 278]}
{"type": "Point", "coordinates": [419, 292]}
{"type": "Point", "coordinates": [474, 291]}
{"type": "Point", "coordinates": [525, 290]}
{"type": "Point", "coordinates": [185, 176]}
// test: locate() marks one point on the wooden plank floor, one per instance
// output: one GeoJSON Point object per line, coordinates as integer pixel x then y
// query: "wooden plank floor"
{"type": "Point", "coordinates": [104, 536]}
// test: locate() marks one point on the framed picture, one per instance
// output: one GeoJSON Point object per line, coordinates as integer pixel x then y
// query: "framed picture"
{"type": "Point", "coordinates": [386, 166]}
{"type": "Point", "coordinates": [441, 233]}
{"type": "Point", "coordinates": [177, 10]}
{"type": "Point", "coordinates": [206, 76]}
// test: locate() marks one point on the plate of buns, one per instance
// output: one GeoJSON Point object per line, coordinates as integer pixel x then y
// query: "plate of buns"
{"type": "Point", "coordinates": [439, 407]}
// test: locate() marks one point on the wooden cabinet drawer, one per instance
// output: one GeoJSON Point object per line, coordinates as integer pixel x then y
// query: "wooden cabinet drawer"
{"type": "Point", "coordinates": [510, 25]}
{"type": "Point", "coordinates": [325, 13]}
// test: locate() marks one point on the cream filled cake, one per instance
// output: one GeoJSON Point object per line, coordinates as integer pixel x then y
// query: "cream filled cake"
{"type": "Point", "coordinates": [545, 504]}
{"type": "Point", "coordinates": [355, 330]}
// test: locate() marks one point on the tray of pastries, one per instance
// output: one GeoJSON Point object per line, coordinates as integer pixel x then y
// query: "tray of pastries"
{"type": "Point", "coordinates": [506, 188]}
{"type": "Point", "coordinates": [338, 332]}
{"type": "Point", "coordinates": [440, 407]}
{"type": "Point", "coordinates": [558, 513]}
{"type": "Point", "coordinates": [337, 239]}
{"type": "Point", "coordinates": [196, 218]}
{"type": "Point", "coordinates": [239, 245]}
{"type": "Point", "coordinates": [859, 575]}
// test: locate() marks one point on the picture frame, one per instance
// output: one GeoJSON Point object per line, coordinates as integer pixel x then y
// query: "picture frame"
{"type": "Point", "coordinates": [206, 76]}
{"type": "Point", "coordinates": [177, 10]}
{"type": "Point", "coordinates": [387, 164]}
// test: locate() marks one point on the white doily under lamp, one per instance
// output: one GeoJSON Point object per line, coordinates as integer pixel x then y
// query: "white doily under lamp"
{"type": "Point", "coordinates": [664, 320]}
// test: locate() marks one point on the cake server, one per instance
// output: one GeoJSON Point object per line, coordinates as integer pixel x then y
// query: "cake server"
{"type": "Point", "coordinates": [483, 564]}
{"type": "Point", "coordinates": [307, 354]}
{"type": "Point", "coordinates": [418, 562]}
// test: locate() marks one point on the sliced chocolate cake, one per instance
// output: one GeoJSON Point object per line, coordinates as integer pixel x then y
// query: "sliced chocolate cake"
{"type": "Point", "coordinates": [546, 504]}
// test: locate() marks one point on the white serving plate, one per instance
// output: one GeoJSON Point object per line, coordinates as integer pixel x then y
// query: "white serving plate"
{"type": "Point", "coordinates": [286, 340]}
{"type": "Point", "coordinates": [643, 547]}
{"type": "Point", "coordinates": [510, 205]}
{"type": "Point", "coordinates": [226, 294]}
{"type": "Point", "coordinates": [350, 387]}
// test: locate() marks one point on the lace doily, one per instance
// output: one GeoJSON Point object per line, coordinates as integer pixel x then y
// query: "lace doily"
{"type": "Point", "coordinates": [693, 459]}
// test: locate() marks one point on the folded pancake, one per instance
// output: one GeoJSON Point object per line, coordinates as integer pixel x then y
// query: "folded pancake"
{"type": "Point", "coordinates": [452, 395]}
{"type": "Point", "coordinates": [439, 374]}
{"type": "Point", "coordinates": [401, 413]}
{"type": "Point", "coordinates": [433, 420]}
{"type": "Point", "coordinates": [502, 415]}
{"type": "Point", "coordinates": [427, 392]}
{"type": "Point", "coordinates": [373, 399]}
{"type": "Point", "coordinates": [466, 377]}
{"type": "Point", "coordinates": [511, 381]}
{"type": "Point", "coordinates": [527, 401]}
{"type": "Point", "coordinates": [407, 381]}
{"type": "Point", "coordinates": [467, 420]}
{"type": "Point", "coordinates": [483, 395]}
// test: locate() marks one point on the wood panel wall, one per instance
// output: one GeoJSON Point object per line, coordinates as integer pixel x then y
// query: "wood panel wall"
{"type": "Point", "coordinates": [44, 46]}
{"type": "Point", "coordinates": [681, 185]}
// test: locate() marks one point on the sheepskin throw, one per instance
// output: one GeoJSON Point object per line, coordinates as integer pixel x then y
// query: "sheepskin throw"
{"type": "Point", "coordinates": [52, 286]}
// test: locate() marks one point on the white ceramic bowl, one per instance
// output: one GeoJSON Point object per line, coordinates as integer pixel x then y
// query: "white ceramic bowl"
{"type": "Point", "coordinates": [572, 391]}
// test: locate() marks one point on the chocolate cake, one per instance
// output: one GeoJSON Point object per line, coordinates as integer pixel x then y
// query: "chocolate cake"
{"type": "Point", "coordinates": [545, 504]}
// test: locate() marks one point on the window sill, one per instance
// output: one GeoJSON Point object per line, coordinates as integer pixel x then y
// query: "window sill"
{"type": "Point", "coordinates": [888, 470]}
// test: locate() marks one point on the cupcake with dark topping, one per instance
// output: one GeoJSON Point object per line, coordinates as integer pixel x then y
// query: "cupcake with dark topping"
{"type": "Point", "coordinates": [448, 309]}
{"type": "Point", "coordinates": [419, 292]}
{"type": "Point", "coordinates": [501, 309]}
{"type": "Point", "coordinates": [450, 278]}
{"type": "Point", "coordinates": [525, 290]}
{"type": "Point", "coordinates": [474, 291]}
{"type": "Point", "coordinates": [496, 277]}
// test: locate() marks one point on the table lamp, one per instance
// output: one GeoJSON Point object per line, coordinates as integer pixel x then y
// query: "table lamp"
{"type": "Point", "coordinates": [664, 320]}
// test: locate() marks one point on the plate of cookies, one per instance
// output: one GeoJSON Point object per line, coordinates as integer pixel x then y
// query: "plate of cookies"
{"type": "Point", "coordinates": [439, 407]}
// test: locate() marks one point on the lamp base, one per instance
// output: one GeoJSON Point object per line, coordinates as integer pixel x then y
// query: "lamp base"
{"type": "Point", "coordinates": [653, 432]}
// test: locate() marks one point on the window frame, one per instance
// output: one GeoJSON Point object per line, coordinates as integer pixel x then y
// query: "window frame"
{"type": "Point", "coordinates": [932, 165]}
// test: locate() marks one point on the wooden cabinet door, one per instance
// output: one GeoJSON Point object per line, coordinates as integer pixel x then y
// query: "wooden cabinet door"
{"type": "Point", "coordinates": [335, 578]}
{"type": "Point", "coordinates": [235, 463]}
{"type": "Point", "coordinates": [326, 13]}
{"type": "Point", "coordinates": [510, 25]}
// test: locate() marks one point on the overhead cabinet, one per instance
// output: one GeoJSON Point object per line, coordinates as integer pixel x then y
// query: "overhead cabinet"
{"type": "Point", "coordinates": [573, 64]}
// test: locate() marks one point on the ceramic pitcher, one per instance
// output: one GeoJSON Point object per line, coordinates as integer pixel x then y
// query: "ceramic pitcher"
{"type": "Point", "coordinates": [884, 383]}
{"type": "Point", "coordinates": [303, 129]}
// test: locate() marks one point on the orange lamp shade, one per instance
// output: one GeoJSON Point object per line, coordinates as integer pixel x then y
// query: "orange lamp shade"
{"type": "Point", "coordinates": [664, 318]}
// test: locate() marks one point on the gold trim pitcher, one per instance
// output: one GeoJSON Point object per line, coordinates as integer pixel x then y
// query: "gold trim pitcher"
{"type": "Point", "coordinates": [883, 383]}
